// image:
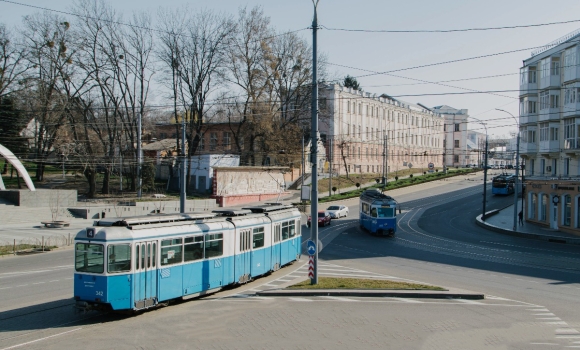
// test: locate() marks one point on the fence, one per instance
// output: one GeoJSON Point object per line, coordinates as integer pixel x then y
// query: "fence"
{"type": "Point", "coordinates": [34, 244]}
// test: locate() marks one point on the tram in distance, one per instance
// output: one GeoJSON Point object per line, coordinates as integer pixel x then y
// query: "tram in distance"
{"type": "Point", "coordinates": [503, 184]}
{"type": "Point", "coordinates": [378, 213]}
{"type": "Point", "coordinates": [142, 262]}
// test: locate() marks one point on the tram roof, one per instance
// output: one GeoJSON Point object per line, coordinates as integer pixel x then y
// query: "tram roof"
{"type": "Point", "coordinates": [268, 207]}
{"type": "Point", "coordinates": [231, 212]}
{"type": "Point", "coordinates": [153, 219]}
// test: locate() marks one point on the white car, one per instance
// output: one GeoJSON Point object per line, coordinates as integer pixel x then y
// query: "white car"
{"type": "Point", "coordinates": [337, 211]}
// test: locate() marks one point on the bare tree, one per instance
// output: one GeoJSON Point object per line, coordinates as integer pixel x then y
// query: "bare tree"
{"type": "Point", "coordinates": [13, 66]}
{"type": "Point", "coordinates": [47, 37]}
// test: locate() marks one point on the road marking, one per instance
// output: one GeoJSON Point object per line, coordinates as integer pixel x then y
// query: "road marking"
{"type": "Point", "coordinates": [301, 299]}
{"type": "Point", "coordinates": [41, 339]}
{"type": "Point", "coordinates": [545, 314]}
{"type": "Point", "coordinates": [406, 300]}
{"type": "Point", "coordinates": [557, 322]}
{"type": "Point", "coordinates": [548, 318]}
{"type": "Point", "coordinates": [538, 310]}
{"type": "Point", "coordinates": [38, 283]}
{"type": "Point", "coordinates": [544, 343]}
{"type": "Point", "coordinates": [466, 301]}
{"type": "Point", "coordinates": [567, 331]}
{"type": "Point", "coordinates": [568, 336]}
{"type": "Point", "coordinates": [339, 298]}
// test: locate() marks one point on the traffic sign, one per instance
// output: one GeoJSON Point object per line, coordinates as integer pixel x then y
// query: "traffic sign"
{"type": "Point", "coordinates": [310, 247]}
{"type": "Point", "coordinates": [431, 166]}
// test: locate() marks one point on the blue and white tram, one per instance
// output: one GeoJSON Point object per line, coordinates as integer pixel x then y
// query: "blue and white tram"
{"type": "Point", "coordinates": [140, 262]}
{"type": "Point", "coordinates": [378, 213]}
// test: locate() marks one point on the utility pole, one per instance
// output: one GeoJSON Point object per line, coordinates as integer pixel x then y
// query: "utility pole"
{"type": "Point", "coordinates": [314, 150]}
{"type": "Point", "coordinates": [183, 182]}
{"type": "Point", "coordinates": [386, 170]}
{"type": "Point", "coordinates": [139, 157]}
{"type": "Point", "coordinates": [303, 170]}
{"type": "Point", "coordinates": [485, 178]}
{"type": "Point", "coordinates": [330, 154]}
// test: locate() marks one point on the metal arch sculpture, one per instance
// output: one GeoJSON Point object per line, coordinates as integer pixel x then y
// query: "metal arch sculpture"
{"type": "Point", "coordinates": [11, 158]}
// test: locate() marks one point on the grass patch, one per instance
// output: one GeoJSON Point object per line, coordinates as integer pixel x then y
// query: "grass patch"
{"type": "Point", "coordinates": [391, 184]}
{"type": "Point", "coordinates": [9, 249]}
{"type": "Point", "coordinates": [358, 283]}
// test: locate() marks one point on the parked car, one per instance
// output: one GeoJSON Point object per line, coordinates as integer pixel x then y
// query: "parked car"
{"type": "Point", "coordinates": [323, 219]}
{"type": "Point", "coordinates": [337, 211]}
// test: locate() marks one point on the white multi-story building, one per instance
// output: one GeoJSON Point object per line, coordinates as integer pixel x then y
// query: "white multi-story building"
{"type": "Point", "coordinates": [362, 126]}
{"type": "Point", "coordinates": [458, 151]}
{"type": "Point", "coordinates": [550, 133]}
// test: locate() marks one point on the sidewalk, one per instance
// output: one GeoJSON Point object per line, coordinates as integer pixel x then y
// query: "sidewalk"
{"type": "Point", "coordinates": [502, 221]}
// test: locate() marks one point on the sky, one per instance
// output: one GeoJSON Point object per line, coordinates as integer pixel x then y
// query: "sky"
{"type": "Point", "coordinates": [350, 48]}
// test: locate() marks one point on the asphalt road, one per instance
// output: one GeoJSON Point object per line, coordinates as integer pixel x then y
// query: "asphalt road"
{"type": "Point", "coordinates": [532, 292]}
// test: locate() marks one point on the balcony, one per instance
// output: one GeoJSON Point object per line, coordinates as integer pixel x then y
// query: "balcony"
{"type": "Point", "coordinates": [571, 109]}
{"type": "Point", "coordinates": [528, 148]}
{"type": "Point", "coordinates": [528, 119]}
{"type": "Point", "coordinates": [549, 114]}
{"type": "Point", "coordinates": [550, 81]}
{"type": "Point", "coordinates": [549, 147]}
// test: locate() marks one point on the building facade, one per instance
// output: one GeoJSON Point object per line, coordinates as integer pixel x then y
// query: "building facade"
{"type": "Point", "coordinates": [550, 133]}
{"type": "Point", "coordinates": [458, 152]}
{"type": "Point", "coordinates": [360, 127]}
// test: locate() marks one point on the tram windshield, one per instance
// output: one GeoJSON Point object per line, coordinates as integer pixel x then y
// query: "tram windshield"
{"type": "Point", "coordinates": [89, 257]}
{"type": "Point", "coordinates": [386, 212]}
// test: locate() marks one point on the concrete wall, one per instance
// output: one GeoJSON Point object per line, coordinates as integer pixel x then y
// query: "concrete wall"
{"type": "Point", "coordinates": [141, 208]}
{"type": "Point", "coordinates": [40, 198]}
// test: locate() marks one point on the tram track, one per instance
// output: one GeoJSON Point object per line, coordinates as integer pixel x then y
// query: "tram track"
{"type": "Point", "coordinates": [452, 247]}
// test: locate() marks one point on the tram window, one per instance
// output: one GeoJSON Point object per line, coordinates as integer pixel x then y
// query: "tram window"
{"type": "Point", "coordinates": [292, 228]}
{"type": "Point", "coordinates": [258, 237]}
{"type": "Point", "coordinates": [386, 212]}
{"type": "Point", "coordinates": [214, 245]}
{"type": "Point", "coordinates": [149, 255]}
{"type": "Point", "coordinates": [154, 257]}
{"type": "Point", "coordinates": [365, 208]}
{"type": "Point", "coordinates": [374, 212]}
{"type": "Point", "coordinates": [193, 248]}
{"type": "Point", "coordinates": [285, 230]}
{"type": "Point", "coordinates": [171, 251]}
{"type": "Point", "coordinates": [119, 258]}
{"type": "Point", "coordinates": [143, 255]}
{"type": "Point", "coordinates": [277, 233]}
{"type": "Point", "coordinates": [89, 258]}
{"type": "Point", "coordinates": [137, 266]}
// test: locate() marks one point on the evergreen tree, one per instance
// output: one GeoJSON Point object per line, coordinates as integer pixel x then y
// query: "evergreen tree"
{"type": "Point", "coordinates": [351, 82]}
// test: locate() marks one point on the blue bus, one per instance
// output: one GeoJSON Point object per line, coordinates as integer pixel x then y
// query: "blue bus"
{"type": "Point", "coordinates": [378, 213]}
{"type": "Point", "coordinates": [503, 184]}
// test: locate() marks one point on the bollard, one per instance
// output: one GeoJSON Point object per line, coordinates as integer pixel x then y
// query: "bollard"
{"type": "Point", "coordinates": [68, 238]}
{"type": "Point", "coordinates": [14, 249]}
{"type": "Point", "coordinates": [42, 243]}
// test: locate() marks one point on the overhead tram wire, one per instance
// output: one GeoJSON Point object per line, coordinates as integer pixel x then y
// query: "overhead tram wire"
{"type": "Point", "coordinates": [451, 30]}
{"type": "Point", "coordinates": [134, 25]}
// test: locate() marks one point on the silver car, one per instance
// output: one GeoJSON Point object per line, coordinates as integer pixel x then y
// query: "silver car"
{"type": "Point", "coordinates": [337, 211]}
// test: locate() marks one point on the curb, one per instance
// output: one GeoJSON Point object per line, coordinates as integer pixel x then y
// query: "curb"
{"type": "Point", "coordinates": [378, 293]}
{"type": "Point", "coordinates": [548, 238]}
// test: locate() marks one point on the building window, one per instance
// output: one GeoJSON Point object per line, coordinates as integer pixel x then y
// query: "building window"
{"type": "Point", "coordinates": [567, 210]}
{"type": "Point", "coordinates": [348, 107]}
{"type": "Point", "coordinates": [543, 132]}
{"type": "Point", "coordinates": [213, 141]}
{"type": "Point", "coordinates": [569, 134]}
{"type": "Point", "coordinates": [542, 208]}
{"type": "Point", "coordinates": [544, 100]}
{"type": "Point", "coordinates": [542, 166]}
{"type": "Point", "coordinates": [456, 143]}
{"type": "Point", "coordinates": [534, 204]}
{"type": "Point", "coordinates": [201, 145]}
{"type": "Point", "coordinates": [227, 140]}
{"type": "Point", "coordinates": [456, 158]}
{"type": "Point", "coordinates": [566, 166]}
{"type": "Point", "coordinates": [554, 101]}
{"type": "Point", "coordinates": [553, 133]}
{"type": "Point", "coordinates": [457, 126]}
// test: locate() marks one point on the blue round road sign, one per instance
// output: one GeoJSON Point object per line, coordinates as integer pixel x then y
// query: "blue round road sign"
{"type": "Point", "coordinates": [310, 247]}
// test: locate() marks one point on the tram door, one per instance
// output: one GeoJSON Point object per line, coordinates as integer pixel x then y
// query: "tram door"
{"type": "Point", "coordinates": [145, 280]}
{"type": "Point", "coordinates": [276, 244]}
{"type": "Point", "coordinates": [245, 262]}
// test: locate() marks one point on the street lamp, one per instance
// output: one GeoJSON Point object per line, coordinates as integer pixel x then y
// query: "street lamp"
{"type": "Point", "coordinates": [484, 170]}
{"type": "Point", "coordinates": [515, 228]}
